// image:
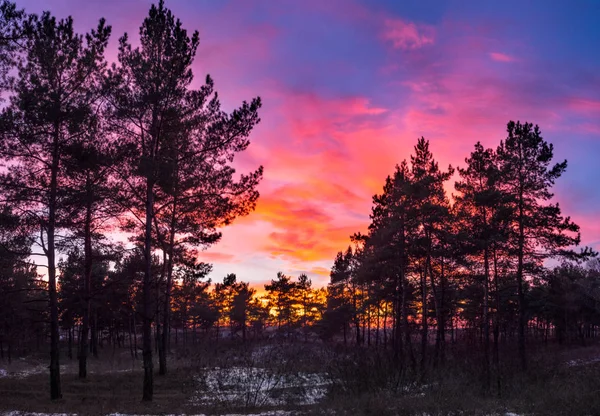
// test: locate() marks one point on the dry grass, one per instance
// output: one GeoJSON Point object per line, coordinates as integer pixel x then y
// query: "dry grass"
{"type": "Point", "coordinates": [100, 394]}
{"type": "Point", "coordinates": [362, 384]}
{"type": "Point", "coordinates": [549, 387]}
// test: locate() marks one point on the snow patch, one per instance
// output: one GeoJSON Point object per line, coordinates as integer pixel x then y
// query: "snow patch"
{"type": "Point", "coordinates": [254, 387]}
{"type": "Point", "coordinates": [38, 369]}
{"type": "Point", "coordinates": [580, 362]}
{"type": "Point", "coordinates": [24, 373]}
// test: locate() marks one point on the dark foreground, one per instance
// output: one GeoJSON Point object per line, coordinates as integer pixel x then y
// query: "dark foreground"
{"type": "Point", "coordinates": [307, 379]}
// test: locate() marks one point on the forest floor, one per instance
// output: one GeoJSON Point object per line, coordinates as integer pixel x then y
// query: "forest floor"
{"type": "Point", "coordinates": [301, 379]}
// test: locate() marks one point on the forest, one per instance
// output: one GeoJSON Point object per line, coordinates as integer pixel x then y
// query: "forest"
{"type": "Point", "coordinates": [467, 290]}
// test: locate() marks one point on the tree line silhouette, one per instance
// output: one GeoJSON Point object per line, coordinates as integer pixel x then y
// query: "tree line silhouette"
{"type": "Point", "coordinates": [89, 149]}
{"type": "Point", "coordinates": [476, 263]}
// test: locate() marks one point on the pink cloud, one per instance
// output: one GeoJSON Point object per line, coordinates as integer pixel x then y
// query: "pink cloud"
{"type": "Point", "coordinates": [407, 35]}
{"type": "Point", "coordinates": [326, 156]}
{"type": "Point", "coordinates": [501, 57]}
{"type": "Point", "coordinates": [584, 105]}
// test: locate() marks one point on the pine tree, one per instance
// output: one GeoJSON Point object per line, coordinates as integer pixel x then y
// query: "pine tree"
{"type": "Point", "coordinates": [146, 91]}
{"type": "Point", "coordinates": [179, 181]}
{"type": "Point", "coordinates": [192, 301]}
{"type": "Point", "coordinates": [197, 189]}
{"type": "Point", "coordinates": [304, 294]}
{"type": "Point", "coordinates": [432, 209]}
{"type": "Point", "coordinates": [49, 109]}
{"type": "Point", "coordinates": [393, 224]}
{"type": "Point", "coordinates": [12, 32]}
{"type": "Point", "coordinates": [479, 203]}
{"type": "Point", "coordinates": [281, 294]}
{"type": "Point", "coordinates": [339, 298]}
{"type": "Point", "coordinates": [19, 284]}
{"type": "Point", "coordinates": [538, 230]}
{"type": "Point", "coordinates": [223, 294]}
{"type": "Point", "coordinates": [240, 305]}
{"type": "Point", "coordinates": [88, 203]}
{"type": "Point", "coordinates": [258, 315]}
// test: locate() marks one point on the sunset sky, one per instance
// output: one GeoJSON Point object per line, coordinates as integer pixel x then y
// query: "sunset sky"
{"type": "Point", "coordinates": [348, 87]}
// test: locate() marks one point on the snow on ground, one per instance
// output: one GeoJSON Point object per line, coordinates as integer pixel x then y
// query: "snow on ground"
{"type": "Point", "coordinates": [254, 387]}
{"type": "Point", "coordinates": [21, 371]}
{"type": "Point", "coordinates": [580, 362]}
{"type": "Point", "coordinates": [38, 369]}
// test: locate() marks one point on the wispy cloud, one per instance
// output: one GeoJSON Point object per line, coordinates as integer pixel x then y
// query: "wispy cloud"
{"type": "Point", "coordinates": [501, 57]}
{"type": "Point", "coordinates": [407, 35]}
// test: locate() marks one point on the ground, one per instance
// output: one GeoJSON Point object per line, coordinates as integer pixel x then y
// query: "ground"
{"type": "Point", "coordinates": [301, 379]}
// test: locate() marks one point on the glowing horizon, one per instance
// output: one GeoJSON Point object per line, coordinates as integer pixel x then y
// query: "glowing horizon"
{"type": "Point", "coordinates": [349, 86]}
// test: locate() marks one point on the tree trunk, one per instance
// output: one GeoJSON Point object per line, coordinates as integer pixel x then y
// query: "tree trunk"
{"type": "Point", "coordinates": [167, 304]}
{"type": "Point", "coordinates": [406, 328]}
{"type": "Point", "coordinates": [398, 316]}
{"type": "Point", "coordinates": [158, 340]}
{"type": "Point", "coordinates": [520, 294]}
{"type": "Point", "coordinates": [436, 305]}
{"type": "Point", "coordinates": [148, 389]}
{"type": "Point", "coordinates": [94, 342]}
{"type": "Point", "coordinates": [377, 326]}
{"type": "Point", "coordinates": [55, 390]}
{"type": "Point", "coordinates": [87, 281]}
{"type": "Point", "coordinates": [244, 329]}
{"type": "Point", "coordinates": [497, 326]}
{"type": "Point", "coordinates": [385, 315]}
{"type": "Point", "coordinates": [131, 340]}
{"type": "Point", "coordinates": [424, 324]}
{"type": "Point", "coordinates": [486, 322]}
{"type": "Point", "coordinates": [70, 345]}
{"type": "Point", "coordinates": [135, 346]}
{"type": "Point", "coordinates": [442, 326]}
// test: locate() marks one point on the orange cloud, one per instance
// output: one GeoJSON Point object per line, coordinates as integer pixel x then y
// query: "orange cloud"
{"type": "Point", "coordinates": [311, 243]}
{"type": "Point", "coordinates": [304, 229]}
{"type": "Point", "coordinates": [326, 153]}
{"type": "Point", "coordinates": [321, 271]}
{"type": "Point", "coordinates": [213, 256]}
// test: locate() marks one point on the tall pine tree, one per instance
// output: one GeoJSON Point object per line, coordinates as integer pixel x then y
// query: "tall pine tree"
{"type": "Point", "coordinates": [51, 104]}
{"type": "Point", "coordinates": [178, 183]}
{"type": "Point", "coordinates": [479, 205]}
{"type": "Point", "coordinates": [537, 230]}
